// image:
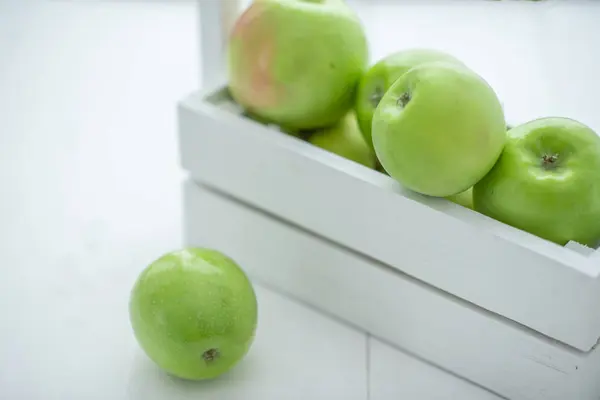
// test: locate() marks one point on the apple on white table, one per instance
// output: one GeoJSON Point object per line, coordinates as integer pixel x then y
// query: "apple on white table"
{"type": "Point", "coordinates": [194, 313]}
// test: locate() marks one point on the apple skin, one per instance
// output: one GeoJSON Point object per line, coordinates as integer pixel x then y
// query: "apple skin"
{"type": "Point", "coordinates": [345, 140]}
{"type": "Point", "coordinates": [439, 129]}
{"type": "Point", "coordinates": [378, 79]}
{"type": "Point", "coordinates": [296, 63]}
{"type": "Point", "coordinates": [379, 167]}
{"type": "Point", "coordinates": [464, 199]}
{"type": "Point", "coordinates": [557, 199]}
{"type": "Point", "coordinates": [194, 313]}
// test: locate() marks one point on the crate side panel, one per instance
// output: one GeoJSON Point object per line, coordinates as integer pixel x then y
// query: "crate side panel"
{"type": "Point", "coordinates": [450, 333]}
{"type": "Point", "coordinates": [279, 174]}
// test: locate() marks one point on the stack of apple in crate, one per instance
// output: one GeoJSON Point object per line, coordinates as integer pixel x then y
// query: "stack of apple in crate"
{"type": "Point", "coordinates": [420, 115]}
{"type": "Point", "coordinates": [503, 291]}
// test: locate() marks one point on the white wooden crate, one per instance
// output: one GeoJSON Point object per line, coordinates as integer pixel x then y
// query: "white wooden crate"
{"type": "Point", "coordinates": [474, 296]}
{"type": "Point", "coordinates": [503, 308]}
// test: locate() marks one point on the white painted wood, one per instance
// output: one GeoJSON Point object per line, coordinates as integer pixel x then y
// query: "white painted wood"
{"type": "Point", "coordinates": [215, 19]}
{"type": "Point", "coordinates": [396, 375]}
{"type": "Point", "coordinates": [551, 289]}
{"type": "Point", "coordinates": [491, 351]}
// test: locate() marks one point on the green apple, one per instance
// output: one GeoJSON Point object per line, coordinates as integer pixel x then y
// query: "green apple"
{"type": "Point", "coordinates": [546, 182]}
{"type": "Point", "coordinates": [194, 313]}
{"type": "Point", "coordinates": [464, 199]}
{"type": "Point", "coordinates": [257, 119]}
{"type": "Point", "coordinates": [297, 63]}
{"type": "Point", "coordinates": [345, 140]}
{"type": "Point", "coordinates": [379, 167]}
{"type": "Point", "coordinates": [378, 79]}
{"type": "Point", "coordinates": [439, 129]}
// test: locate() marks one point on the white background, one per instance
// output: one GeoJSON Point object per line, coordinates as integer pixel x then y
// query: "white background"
{"type": "Point", "coordinates": [90, 193]}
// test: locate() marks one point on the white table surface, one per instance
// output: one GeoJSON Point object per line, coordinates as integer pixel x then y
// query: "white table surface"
{"type": "Point", "coordinates": [91, 193]}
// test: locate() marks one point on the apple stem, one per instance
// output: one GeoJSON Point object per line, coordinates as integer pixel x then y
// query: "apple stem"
{"type": "Point", "coordinates": [549, 160]}
{"type": "Point", "coordinates": [210, 355]}
{"type": "Point", "coordinates": [403, 100]}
